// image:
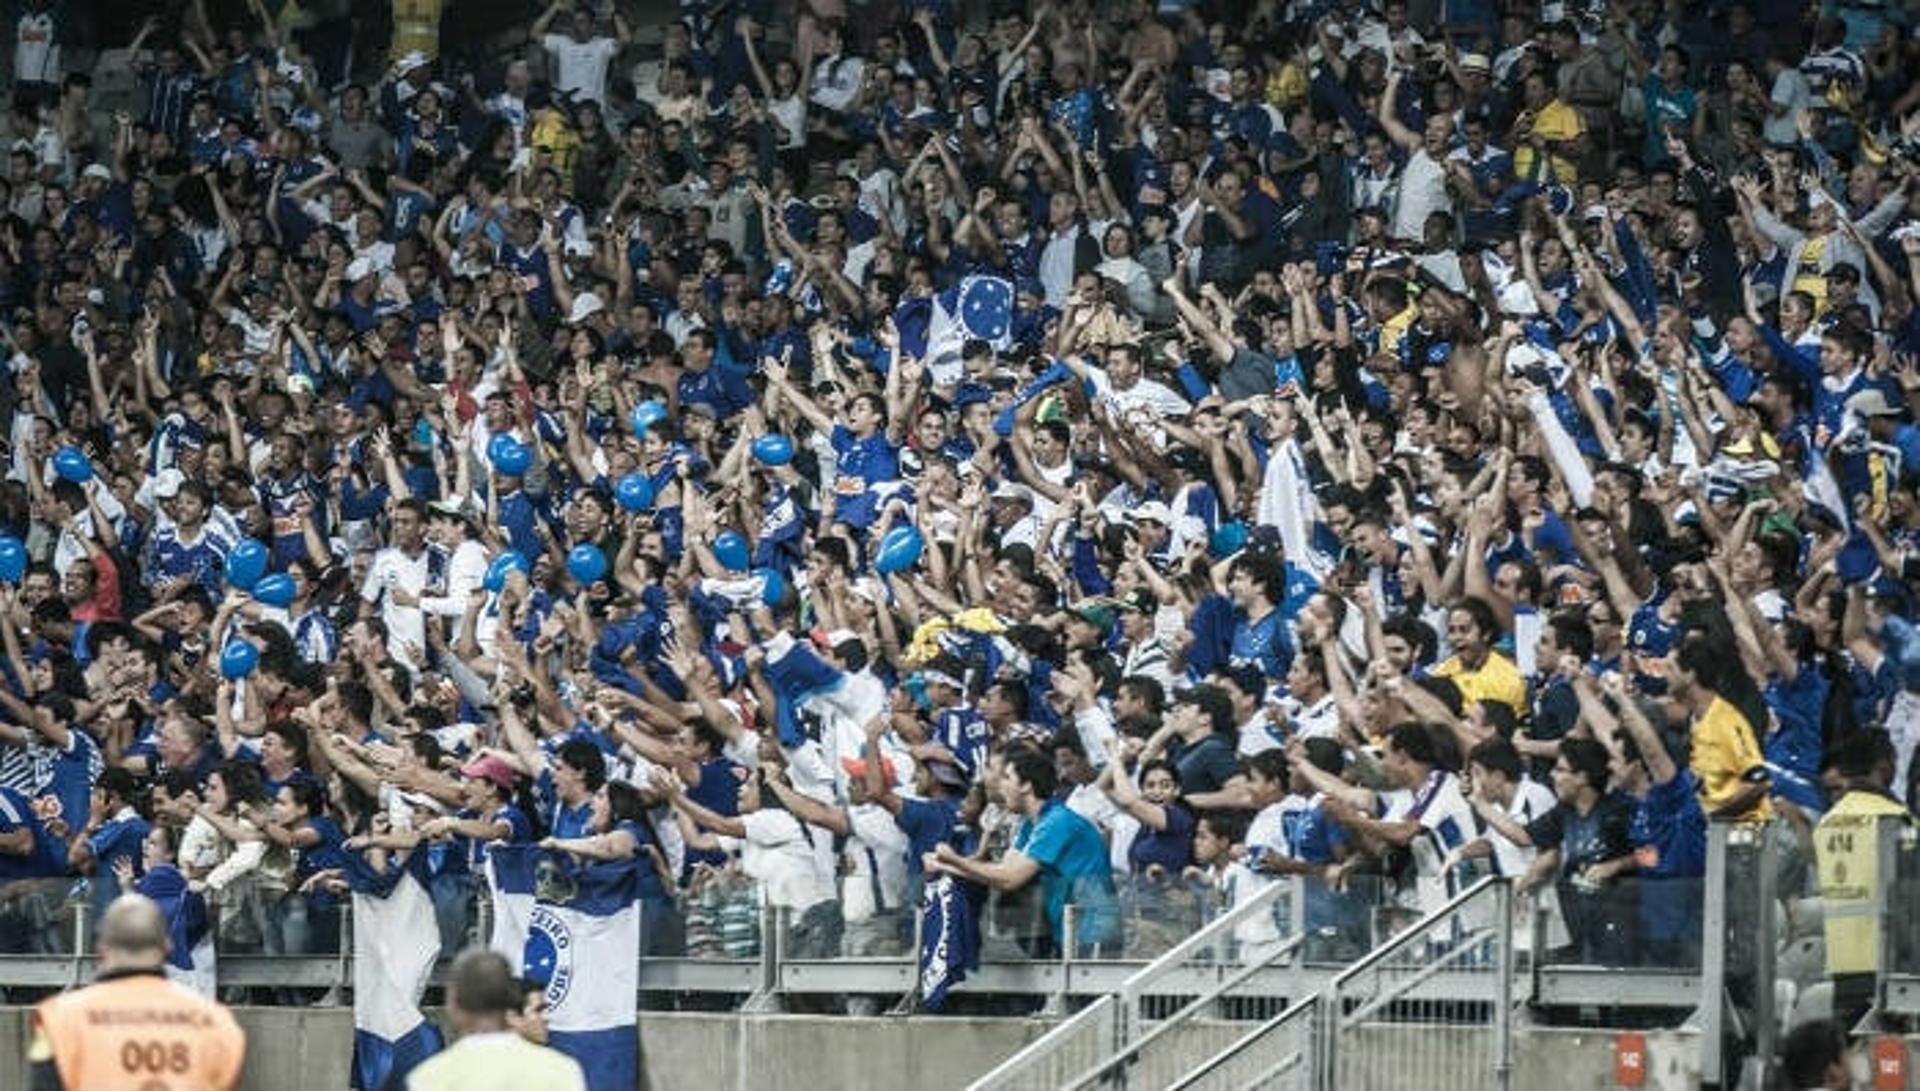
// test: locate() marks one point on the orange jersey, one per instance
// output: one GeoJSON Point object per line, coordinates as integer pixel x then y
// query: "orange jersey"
{"type": "Point", "coordinates": [137, 1032]}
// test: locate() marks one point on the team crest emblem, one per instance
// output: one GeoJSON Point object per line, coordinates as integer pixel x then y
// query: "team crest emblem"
{"type": "Point", "coordinates": [549, 954]}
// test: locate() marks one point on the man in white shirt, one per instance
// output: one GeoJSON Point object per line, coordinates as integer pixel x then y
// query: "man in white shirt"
{"type": "Point", "coordinates": [1057, 256]}
{"type": "Point", "coordinates": [1123, 387]}
{"type": "Point", "coordinates": [450, 528]}
{"type": "Point", "coordinates": [1425, 811]}
{"type": "Point", "coordinates": [1423, 180]}
{"type": "Point", "coordinates": [398, 579]}
{"type": "Point", "coordinates": [581, 58]}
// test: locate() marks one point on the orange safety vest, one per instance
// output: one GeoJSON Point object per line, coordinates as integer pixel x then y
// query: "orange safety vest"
{"type": "Point", "coordinates": [138, 1032]}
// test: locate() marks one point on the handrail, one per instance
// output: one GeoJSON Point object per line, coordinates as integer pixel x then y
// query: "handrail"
{"type": "Point", "coordinates": [1128, 995]}
{"type": "Point", "coordinates": [1207, 1067]}
{"type": "Point", "coordinates": [1129, 1053]}
{"type": "Point", "coordinates": [1416, 931]}
{"type": "Point", "coordinates": [1065, 1030]}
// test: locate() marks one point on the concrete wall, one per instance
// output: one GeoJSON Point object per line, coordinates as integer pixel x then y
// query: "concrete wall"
{"type": "Point", "coordinates": [294, 1049]}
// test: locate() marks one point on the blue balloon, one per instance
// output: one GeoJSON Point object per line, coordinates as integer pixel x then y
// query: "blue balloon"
{"type": "Point", "coordinates": [246, 563]}
{"type": "Point", "coordinates": [1228, 539]}
{"type": "Point", "coordinates": [509, 455]}
{"type": "Point", "coordinates": [510, 561]}
{"type": "Point", "coordinates": [730, 549]}
{"type": "Point", "coordinates": [238, 659]}
{"type": "Point", "coordinates": [773, 586]}
{"type": "Point", "coordinates": [773, 449]}
{"type": "Point", "coordinates": [898, 551]}
{"type": "Point", "coordinates": [647, 414]}
{"type": "Point", "coordinates": [71, 463]}
{"type": "Point", "coordinates": [634, 492]}
{"type": "Point", "coordinates": [275, 590]}
{"type": "Point", "coordinates": [13, 559]}
{"type": "Point", "coordinates": [587, 563]}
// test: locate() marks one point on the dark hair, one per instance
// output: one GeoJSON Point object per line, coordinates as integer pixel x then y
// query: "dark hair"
{"type": "Point", "coordinates": [1415, 741]}
{"type": "Point", "coordinates": [624, 803]}
{"type": "Point", "coordinates": [1573, 634]}
{"type": "Point", "coordinates": [1149, 690]}
{"type": "Point", "coordinates": [118, 782]}
{"type": "Point", "coordinates": [294, 735]}
{"type": "Point", "coordinates": [1326, 754]}
{"type": "Point", "coordinates": [1811, 1049]}
{"type": "Point", "coordinates": [586, 757]}
{"type": "Point", "coordinates": [1250, 679]}
{"type": "Point", "coordinates": [1498, 755]}
{"type": "Point", "coordinates": [1270, 764]}
{"type": "Point", "coordinates": [1035, 770]}
{"type": "Point", "coordinates": [1861, 753]}
{"type": "Point", "coordinates": [310, 794]}
{"type": "Point", "coordinates": [1483, 616]}
{"type": "Point", "coordinates": [1415, 632]}
{"type": "Point", "coordinates": [1157, 764]}
{"type": "Point", "coordinates": [1587, 758]}
{"type": "Point", "coordinates": [244, 783]}
{"type": "Point", "coordinates": [1015, 694]}
{"type": "Point", "coordinates": [1499, 715]}
{"type": "Point", "coordinates": [1266, 571]}
{"type": "Point", "coordinates": [1211, 700]}
{"type": "Point", "coordinates": [1228, 826]}
{"type": "Point", "coordinates": [356, 699]}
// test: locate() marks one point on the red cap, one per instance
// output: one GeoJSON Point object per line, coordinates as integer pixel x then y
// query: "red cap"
{"type": "Point", "coordinates": [490, 767]}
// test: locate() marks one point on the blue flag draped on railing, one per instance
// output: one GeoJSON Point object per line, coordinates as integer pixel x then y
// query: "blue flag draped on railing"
{"type": "Point", "coordinates": [190, 962]}
{"type": "Point", "coordinates": [949, 939]}
{"type": "Point", "coordinates": [395, 941]}
{"type": "Point", "coordinates": [575, 928]}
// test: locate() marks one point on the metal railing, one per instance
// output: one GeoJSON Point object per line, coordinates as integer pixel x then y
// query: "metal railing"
{"type": "Point", "coordinates": [744, 963]}
{"type": "Point", "coordinates": [1472, 934]}
{"type": "Point", "coordinates": [1316, 1042]}
{"type": "Point", "coordinates": [1279, 1055]}
{"type": "Point", "coordinates": [1204, 959]}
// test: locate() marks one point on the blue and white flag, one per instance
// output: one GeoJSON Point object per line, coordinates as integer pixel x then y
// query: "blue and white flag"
{"type": "Point", "coordinates": [1287, 502]}
{"type": "Point", "coordinates": [977, 307]}
{"type": "Point", "coordinates": [949, 939]}
{"type": "Point", "coordinates": [576, 929]}
{"type": "Point", "coordinates": [190, 960]}
{"type": "Point", "coordinates": [1822, 490]}
{"type": "Point", "coordinates": [395, 940]}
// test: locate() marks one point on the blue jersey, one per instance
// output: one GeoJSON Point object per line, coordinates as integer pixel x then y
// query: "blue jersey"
{"type": "Point", "coordinates": [202, 561]}
{"type": "Point", "coordinates": [45, 858]}
{"type": "Point", "coordinates": [1264, 643]}
{"type": "Point", "coordinates": [964, 733]}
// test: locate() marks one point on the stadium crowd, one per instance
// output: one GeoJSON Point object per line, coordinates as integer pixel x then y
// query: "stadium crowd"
{"type": "Point", "coordinates": [1113, 454]}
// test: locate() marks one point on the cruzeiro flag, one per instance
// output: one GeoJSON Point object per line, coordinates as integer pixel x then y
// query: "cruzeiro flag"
{"type": "Point", "coordinates": [980, 307]}
{"type": "Point", "coordinates": [575, 927]}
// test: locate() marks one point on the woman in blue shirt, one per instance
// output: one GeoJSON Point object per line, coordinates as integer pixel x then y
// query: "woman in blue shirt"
{"type": "Point", "coordinates": [621, 830]}
{"type": "Point", "coordinates": [1165, 843]}
{"type": "Point", "coordinates": [308, 923]}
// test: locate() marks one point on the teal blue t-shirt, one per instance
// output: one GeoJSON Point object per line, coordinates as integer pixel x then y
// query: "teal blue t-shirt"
{"type": "Point", "coordinates": [1073, 870]}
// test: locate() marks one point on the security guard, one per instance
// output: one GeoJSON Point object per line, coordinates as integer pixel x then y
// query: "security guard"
{"type": "Point", "coordinates": [1846, 849]}
{"type": "Point", "coordinates": [132, 1029]}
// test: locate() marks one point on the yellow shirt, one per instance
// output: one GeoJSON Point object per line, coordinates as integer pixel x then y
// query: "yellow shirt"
{"type": "Point", "coordinates": [1497, 679]}
{"type": "Point", "coordinates": [1846, 851]}
{"type": "Point", "coordinates": [551, 132]}
{"type": "Point", "coordinates": [1726, 758]}
{"type": "Point", "coordinates": [1557, 122]}
{"type": "Point", "coordinates": [1394, 329]}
